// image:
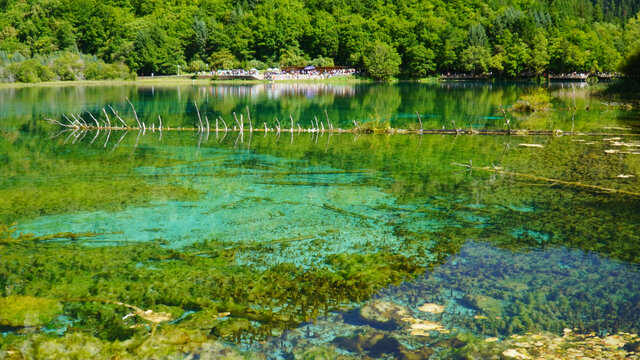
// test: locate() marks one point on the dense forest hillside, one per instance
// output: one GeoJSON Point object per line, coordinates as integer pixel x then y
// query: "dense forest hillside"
{"type": "Point", "coordinates": [74, 39]}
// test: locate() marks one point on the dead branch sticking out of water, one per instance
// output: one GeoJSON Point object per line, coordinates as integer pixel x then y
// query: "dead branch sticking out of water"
{"type": "Point", "coordinates": [419, 121]}
{"type": "Point", "coordinates": [150, 316]}
{"type": "Point", "coordinates": [507, 122]}
{"type": "Point", "coordinates": [134, 112]}
{"type": "Point", "coordinates": [576, 184]}
{"type": "Point", "coordinates": [455, 128]}
{"type": "Point", "coordinates": [201, 128]}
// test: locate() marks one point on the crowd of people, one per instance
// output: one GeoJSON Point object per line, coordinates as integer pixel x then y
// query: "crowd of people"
{"type": "Point", "coordinates": [237, 72]}
{"type": "Point", "coordinates": [291, 73]}
{"type": "Point", "coordinates": [580, 76]}
{"type": "Point", "coordinates": [310, 73]}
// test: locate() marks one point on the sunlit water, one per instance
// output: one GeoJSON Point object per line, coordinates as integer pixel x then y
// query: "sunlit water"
{"type": "Point", "coordinates": [508, 253]}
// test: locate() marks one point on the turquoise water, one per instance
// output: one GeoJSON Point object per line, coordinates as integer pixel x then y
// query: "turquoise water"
{"type": "Point", "coordinates": [527, 249]}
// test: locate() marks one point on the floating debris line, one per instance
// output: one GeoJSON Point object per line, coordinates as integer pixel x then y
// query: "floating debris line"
{"type": "Point", "coordinates": [77, 123]}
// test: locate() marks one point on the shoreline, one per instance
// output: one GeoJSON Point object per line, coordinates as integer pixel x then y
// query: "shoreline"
{"type": "Point", "coordinates": [184, 81]}
{"type": "Point", "coordinates": [181, 81]}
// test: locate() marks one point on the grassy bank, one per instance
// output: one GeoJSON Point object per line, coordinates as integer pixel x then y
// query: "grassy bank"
{"type": "Point", "coordinates": [179, 81]}
{"type": "Point", "coordinates": [145, 81]}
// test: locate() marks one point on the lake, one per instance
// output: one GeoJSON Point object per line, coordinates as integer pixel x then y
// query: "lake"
{"type": "Point", "coordinates": [317, 245]}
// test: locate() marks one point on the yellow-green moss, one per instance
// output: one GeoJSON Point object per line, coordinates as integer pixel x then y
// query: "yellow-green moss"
{"type": "Point", "coordinates": [27, 310]}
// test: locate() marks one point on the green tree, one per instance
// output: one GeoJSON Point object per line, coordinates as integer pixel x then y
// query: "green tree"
{"type": "Point", "coordinates": [155, 52]}
{"type": "Point", "coordinates": [477, 36]}
{"type": "Point", "coordinates": [293, 56]}
{"type": "Point", "coordinates": [280, 26]}
{"type": "Point", "coordinates": [353, 35]}
{"type": "Point", "coordinates": [65, 38]}
{"type": "Point", "coordinates": [539, 53]}
{"type": "Point", "coordinates": [196, 66]}
{"type": "Point", "coordinates": [381, 61]}
{"type": "Point", "coordinates": [156, 36]}
{"type": "Point", "coordinates": [322, 61]}
{"type": "Point", "coordinates": [514, 54]}
{"type": "Point", "coordinates": [631, 66]}
{"type": "Point", "coordinates": [420, 61]}
{"type": "Point", "coordinates": [631, 36]}
{"type": "Point", "coordinates": [256, 64]}
{"type": "Point", "coordinates": [452, 47]}
{"type": "Point", "coordinates": [200, 35]}
{"type": "Point", "coordinates": [321, 38]}
{"type": "Point", "coordinates": [98, 70]}
{"type": "Point", "coordinates": [518, 56]}
{"type": "Point", "coordinates": [476, 59]}
{"type": "Point", "coordinates": [223, 59]}
{"type": "Point", "coordinates": [604, 55]}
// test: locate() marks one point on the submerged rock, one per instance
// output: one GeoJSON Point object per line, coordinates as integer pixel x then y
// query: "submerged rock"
{"type": "Point", "coordinates": [378, 345]}
{"type": "Point", "coordinates": [488, 305]}
{"type": "Point", "coordinates": [423, 327]}
{"type": "Point", "coordinates": [168, 343]}
{"type": "Point", "coordinates": [318, 353]}
{"type": "Point", "coordinates": [513, 353]}
{"type": "Point", "coordinates": [633, 346]}
{"type": "Point", "coordinates": [26, 311]}
{"type": "Point", "coordinates": [383, 315]}
{"type": "Point", "coordinates": [231, 329]}
{"type": "Point", "coordinates": [432, 308]}
{"type": "Point", "coordinates": [452, 343]}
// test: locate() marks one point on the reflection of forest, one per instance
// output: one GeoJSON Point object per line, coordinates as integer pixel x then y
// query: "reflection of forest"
{"type": "Point", "coordinates": [469, 104]}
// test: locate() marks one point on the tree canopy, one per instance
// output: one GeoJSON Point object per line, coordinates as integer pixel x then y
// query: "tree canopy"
{"type": "Point", "coordinates": [507, 38]}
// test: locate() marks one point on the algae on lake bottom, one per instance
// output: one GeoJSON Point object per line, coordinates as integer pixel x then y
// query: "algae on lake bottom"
{"type": "Point", "coordinates": [202, 278]}
{"type": "Point", "coordinates": [185, 246]}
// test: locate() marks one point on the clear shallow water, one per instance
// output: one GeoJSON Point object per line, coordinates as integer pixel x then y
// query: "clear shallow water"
{"type": "Point", "coordinates": [504, 253]}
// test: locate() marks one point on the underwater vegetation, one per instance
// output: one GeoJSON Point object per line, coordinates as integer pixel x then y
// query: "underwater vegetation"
{"type": "Point", "coordinates": [66, 287]}
{"type": "Point", "coordinates": [496, 293]}
{"type": "Point", "coordinates": [602, 222]}
{"type": "Point", "coordinates": [38, 180]}
{"type": "Point", "coordinates": [60, 298]}
{"type": "Point", "coordinates": [323, 246]}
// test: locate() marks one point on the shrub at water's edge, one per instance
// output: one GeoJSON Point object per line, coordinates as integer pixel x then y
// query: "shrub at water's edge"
{"type": "Point", "coordinates": [538, 100]}
{"type": "Point", "coordinates": [64, 66]}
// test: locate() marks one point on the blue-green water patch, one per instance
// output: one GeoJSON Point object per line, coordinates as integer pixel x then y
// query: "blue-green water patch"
{"type": "Point", "coordinates": [274, 206]}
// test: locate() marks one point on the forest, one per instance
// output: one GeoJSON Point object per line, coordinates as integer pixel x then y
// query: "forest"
{"type": "Point", "coordinates": [42, 40]}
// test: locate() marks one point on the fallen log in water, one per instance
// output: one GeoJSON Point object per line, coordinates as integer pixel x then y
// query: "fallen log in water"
{"type": "Point", "coordinates": [77, 123]}
{"type": "Point", "coordinates": [357, 130]}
